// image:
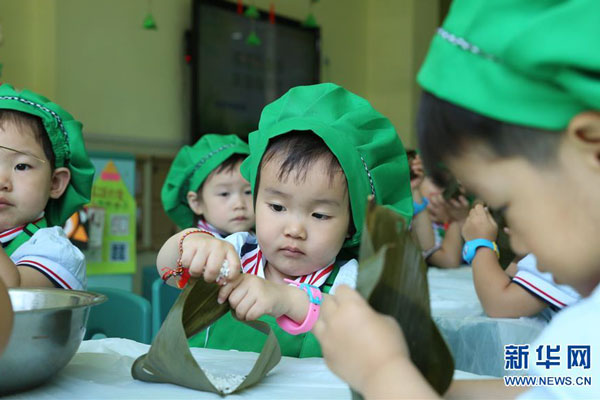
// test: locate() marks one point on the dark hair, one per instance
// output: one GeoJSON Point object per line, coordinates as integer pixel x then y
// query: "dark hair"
{"type": "Point", "coordinates": [445, 130]}
{"type": "Point", "coordinates": [226, 166]}
{"type": "Point", "coordinates": [34, 124]}
{"type": "Point", "coordinates": [411, 154]}
{"type": "Point", "coordinates": [229, 164]}
{"type": "Point", "coordinates": [299, 151]}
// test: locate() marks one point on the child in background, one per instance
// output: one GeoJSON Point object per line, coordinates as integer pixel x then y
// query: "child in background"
{"type": "Point", "coordinates": [437, 223]}
{"type": "Point", "coordinates": [522, 290]}
{"type": "Point", "coordinates": [318, 153]}
{"type": "Point", "coordinates": [512, 111]}
{"type": "Point", "coordinates": [45, 176]}
{"type": "Point", "coordinates": [204, 187]}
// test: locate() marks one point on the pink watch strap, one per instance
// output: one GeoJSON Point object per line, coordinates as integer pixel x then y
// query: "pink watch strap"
{"type": "Point", "coordinates": [315, 297]}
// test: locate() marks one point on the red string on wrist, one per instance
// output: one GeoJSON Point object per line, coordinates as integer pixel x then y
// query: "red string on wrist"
{"type": "Point", "coordinates": [182, 238]}
{"type": "Point", "coordinates": [180, 273]}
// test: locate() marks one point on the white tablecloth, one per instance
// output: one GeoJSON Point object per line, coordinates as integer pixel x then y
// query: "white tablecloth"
{"type": "Point", "coordinates": [475, 340]}
{"type": "Point", "coordinates": [101, 370]}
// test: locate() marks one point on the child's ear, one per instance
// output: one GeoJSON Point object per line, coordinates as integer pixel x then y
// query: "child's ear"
{"type": "Point", "coordinates": [195, 202]}
{"type": "Point", "coordinates": [584, 133]}
{"type": "Point", "coordinates": [59, 181]}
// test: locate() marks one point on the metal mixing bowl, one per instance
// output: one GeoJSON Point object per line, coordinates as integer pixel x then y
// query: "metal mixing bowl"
{"type": "Point", "coordinates": [48, 328]}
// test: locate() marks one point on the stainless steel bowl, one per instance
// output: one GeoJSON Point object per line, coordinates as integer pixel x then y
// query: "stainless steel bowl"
{"type": "Point", "coordinates": [48, 328]}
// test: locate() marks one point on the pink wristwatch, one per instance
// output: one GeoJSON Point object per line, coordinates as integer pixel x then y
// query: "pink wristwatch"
{"type": "Point", "coordinates": [315, 297]}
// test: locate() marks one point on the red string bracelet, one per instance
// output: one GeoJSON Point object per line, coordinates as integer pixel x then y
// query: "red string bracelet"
{"type": "Point", "coordinates": [181, 273]}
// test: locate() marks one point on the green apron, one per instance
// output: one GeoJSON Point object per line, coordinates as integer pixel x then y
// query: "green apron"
{"type": "Point", "coordinates": [24, 236]}
{"type": "Point", "coordinates": [229, 334]}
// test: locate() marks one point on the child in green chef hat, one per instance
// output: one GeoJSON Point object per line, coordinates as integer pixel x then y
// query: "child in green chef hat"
{"type": "Point", "coordinates": [319, 152]}
{"type": "Point", "coordinates": [205, 189]}
{"type": "Point", "coordinates": [45, 176]}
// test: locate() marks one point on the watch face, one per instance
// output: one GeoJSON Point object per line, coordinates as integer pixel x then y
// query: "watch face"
{"type": "Point", "coordinates": [465, 253]}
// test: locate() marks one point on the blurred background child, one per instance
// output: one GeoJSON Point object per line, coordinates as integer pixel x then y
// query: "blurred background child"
{"type": "Point", "coordinates": [519, 291]}
{"type": "Point", "coordinates": [205, 189]}
{"type": "Point", "coordinates": [437, 222]}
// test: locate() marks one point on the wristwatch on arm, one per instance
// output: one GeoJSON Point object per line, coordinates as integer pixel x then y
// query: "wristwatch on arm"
{"type": "Point", "coordinates": [470, 248]}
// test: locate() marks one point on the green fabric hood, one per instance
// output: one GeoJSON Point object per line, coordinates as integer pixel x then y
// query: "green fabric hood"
{"type": "Point", "coordinates": [534, 63]}
{"type": "Point", "coordinates": [67, 144]}
{"type": "Point", "coordinates": [363, 140]}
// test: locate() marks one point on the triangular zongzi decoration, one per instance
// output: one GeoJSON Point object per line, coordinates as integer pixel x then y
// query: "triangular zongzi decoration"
{"type": "Point", "coordinates": [253, 39]}
{"type": "Point", "coordinates": [393, 278]}
{"type": "Point", "coordinates": [149, 22]}
{"type": "Point", "coordinates": [252, 12]}
{"type": "Point", "coordinates": [170, 360]}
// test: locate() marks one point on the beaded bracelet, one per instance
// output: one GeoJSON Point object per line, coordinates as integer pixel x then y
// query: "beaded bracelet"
{"type": "Point", "coordinates": [182, 238]}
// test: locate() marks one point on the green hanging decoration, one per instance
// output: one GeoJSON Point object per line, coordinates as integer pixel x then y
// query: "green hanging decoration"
{"type": "Point", "coordinates": [1, 66]}
{"type": "Point", "coordinates": [252, 12]}
{"type": "Point", "coordinates": [149, 22]}
{"type": "Point", "coordinates": [311, 21]}
{"type": "Point", "coordinates": [253, 39]}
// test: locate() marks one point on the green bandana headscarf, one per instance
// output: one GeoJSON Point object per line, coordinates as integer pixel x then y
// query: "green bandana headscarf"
{"type": "Point", "coordinates": [528, 62]}
{"type": "Point", "coordinates": [191, 167]}
{"type": "Point", "coordinates": [68, 146]}
{"type": "Point", "coordinates": [364, 142]}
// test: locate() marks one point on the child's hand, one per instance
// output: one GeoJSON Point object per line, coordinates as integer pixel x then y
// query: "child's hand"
{"type": "Point", "coordinates": [252, 297]}
{"type": "Point", "coordinates": [204, 255]}
{"type": "Point", "coordinates": [438, 209]}
{"type": "Point", "coordinates": [479, 224]}
{"type": "Point", "coordinates": [347, 322]}
{"type": "Point", "coordinates": [458, 209]}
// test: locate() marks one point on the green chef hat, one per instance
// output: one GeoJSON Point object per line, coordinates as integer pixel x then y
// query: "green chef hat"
{"type": "Point", "coordinates": [364, 142]}
{"type": "Point", "coordinates": [191, 167]}
{"type": "Point", "coordinates": [527, 62]}
{"type": "Point", "coordinates": [68, 146]}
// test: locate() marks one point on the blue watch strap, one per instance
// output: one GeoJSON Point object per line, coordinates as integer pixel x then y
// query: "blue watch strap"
{"type": "Point", "coordinates": [418, 207]}
{"type": "Point", "coordinates": [470, 248]}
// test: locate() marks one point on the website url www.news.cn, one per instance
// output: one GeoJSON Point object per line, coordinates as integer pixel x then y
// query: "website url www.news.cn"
{"type": "Point", "coordinates": [547, 381]}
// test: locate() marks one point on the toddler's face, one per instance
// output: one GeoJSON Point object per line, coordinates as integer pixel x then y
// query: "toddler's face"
{"type": "Point", "coordinates": [25, 177]}
{"type": "Point", "coordinates": [301, 225]}
{"type": "Point", "coordinates": [552, 211]}
{"type": "Point", "coordinates": [225, 201]}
